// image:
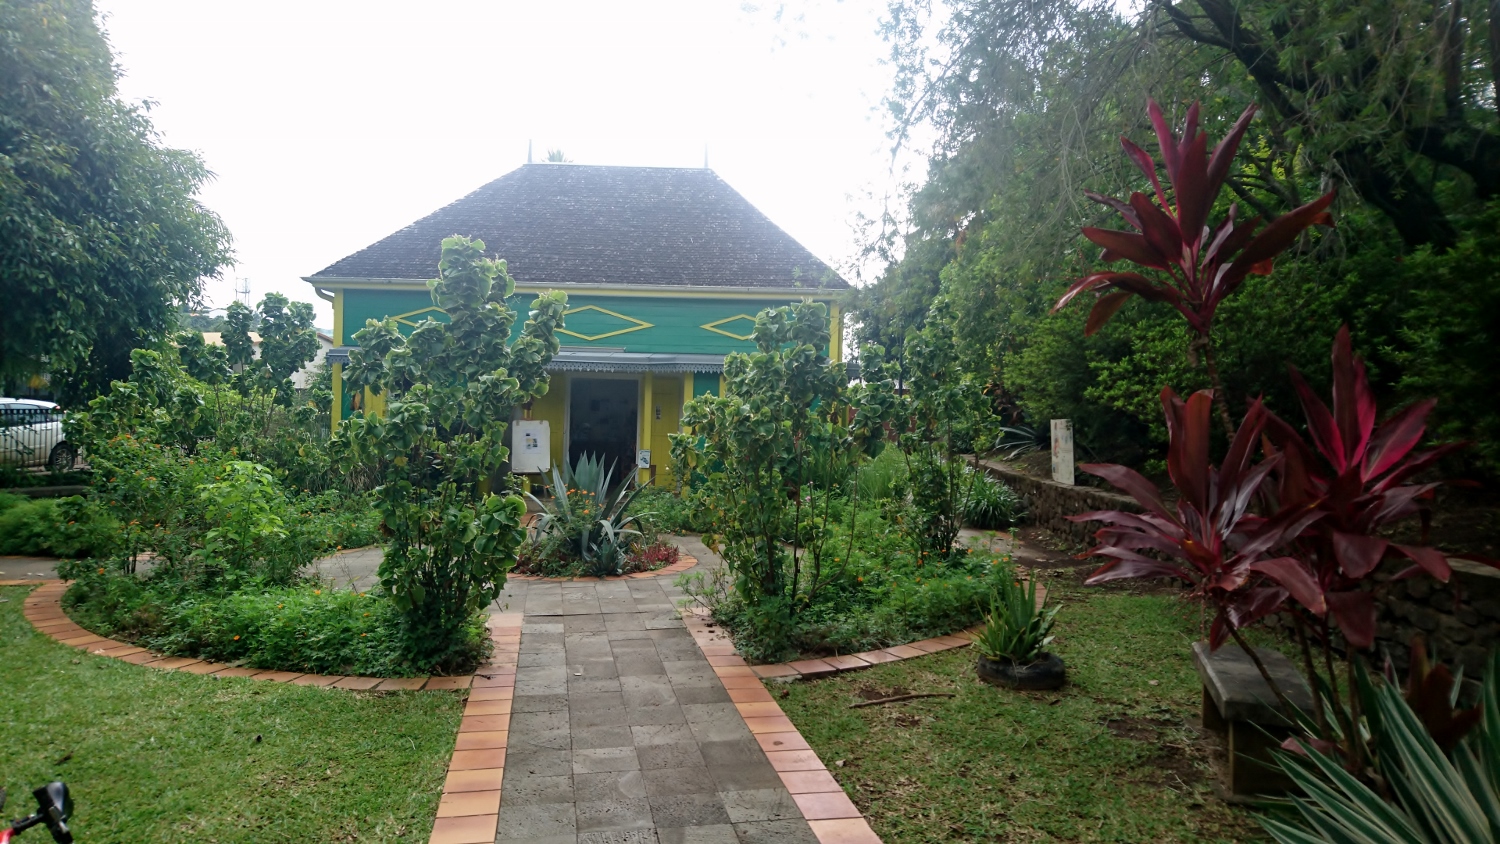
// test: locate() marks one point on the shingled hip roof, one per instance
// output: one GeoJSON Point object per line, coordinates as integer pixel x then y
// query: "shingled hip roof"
{"type": "Point", "coordinates": [569, 224]}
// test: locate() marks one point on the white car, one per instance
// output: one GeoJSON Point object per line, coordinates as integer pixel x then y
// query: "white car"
{"type": "Point", "coordinates": [31, 434]}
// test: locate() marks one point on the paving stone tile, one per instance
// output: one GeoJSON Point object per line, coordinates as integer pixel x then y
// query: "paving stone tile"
{"type": "Point", "coordinates": [625, 813]}
{"type": "Point", "coordinates": [526, 789]}
{"type": "Point", "coordinates": [538, 703]}
{"type": "Point", "coordinates": [782, 741]}
{"type": "Point", "coordinates": [794, 760]}
{"type": "Point", "coordinates": [541, 660]}
{"type": "Point", "coordinates": [662, 734]}
{"type": "Point", "coordinates": [751, 695]}
{"type": "Point", "coordinates": [645, 716]}
{"type": "Point", "coordinates": [698, 713]}
{"type": "Point", "coordinates": [603, 668]}
{"type": "Point", "coordinates": [682, 754]}
{"type": "Point", "coordinates": [761, 804]}
{"type": "Point", "coordinates": [484, 779]}
{"type": "Point", "coordinates": [703, 694]}
{"type": "Point", "coordinates": [580, 701]}
{"type": "Point", "coordinates": [720, 729]}
{"type": "Point", "coordinates": [545, 763]}
{"type": "Point", "coordinates": [595, 737]}
{"type": "Point", "coordinates": [583, 623]}
{"type": "Point", "coordinates": [666, 782]}
{"type": "Point", "coordinates": [634, 665]}
{"type": "Point", "coordinates": [716, 834]}
{"type": "Point", "coordinates": [609, 785]}
{"type": "Point", "coordinates": [682, 810]}
{"type": "Point", "coordinates": [473, 760]}
{"type": "Point", "coordinates": [619, 836]}
{"type": "Point", "coordinates": [488, 707]}
{"type": "Point", "coordinates": [599, 759]}
{"type": "Point", "coordinates": [774, 832]}
{"type": "Point", "coordinates": [539, 821]}
{"type": "Point", "coordinates": [621, 645]}
{"type": "Point", "coordinates": [652, 695]}
{"type": "Point", "coordinates": [599, 718]}
{"type": "Point", "coordinates": [585, 685]}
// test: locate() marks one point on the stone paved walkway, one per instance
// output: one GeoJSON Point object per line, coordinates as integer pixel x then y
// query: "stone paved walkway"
{"type": "Point", "coordinates": [621, 733]}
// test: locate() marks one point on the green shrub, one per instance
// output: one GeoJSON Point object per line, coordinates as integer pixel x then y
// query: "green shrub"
{"type": "Point", "coordinates": [1016, 629]}
{"type": "Point", "coordinates": [992, 505]}
{"type": "Point", "coordinates": [883, 477]}
{"type": "Point", "coordinates": [47, 527]}
{"type": "Point", "coordinates": [662, 510]}
{"type": "Point", "coordinates": [306, 627]}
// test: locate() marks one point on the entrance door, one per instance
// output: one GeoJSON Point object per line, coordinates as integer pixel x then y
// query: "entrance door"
{"type": "Point", "coordinates": [602, 421]}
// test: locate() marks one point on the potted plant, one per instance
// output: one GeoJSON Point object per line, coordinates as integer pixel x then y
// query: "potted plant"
{"type": "Point", "coordinates": [1012, 644]}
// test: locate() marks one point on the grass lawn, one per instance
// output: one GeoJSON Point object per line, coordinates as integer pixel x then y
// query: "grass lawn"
{"type": "Point", "coordinates": [1114, 756]}
{"type": "Point", "coordinates": [164, 756]}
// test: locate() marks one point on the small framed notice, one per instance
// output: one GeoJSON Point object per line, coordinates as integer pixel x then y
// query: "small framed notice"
{"type": "Point", "coordinates": [643, 459]}
{"type": "Point", "coordinates": [1062, 451]}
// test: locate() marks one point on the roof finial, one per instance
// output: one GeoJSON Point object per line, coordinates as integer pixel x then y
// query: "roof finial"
{"type": "Point", "coordinates": [528, 150]}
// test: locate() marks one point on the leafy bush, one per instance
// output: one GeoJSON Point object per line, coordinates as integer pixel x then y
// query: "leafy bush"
{"type": "Point", "coordinates": [882, 477]}
{"type": "Point", "coordinates": [305, 627]}
{"type": "Point", "coordinates": [992, 505]}
{"type": "Point", "coordinates": [659, 509]}
{"type": "Point", "coordinates": [46, 527]}
{"type": "Point", "coordinates": [1016, 628]}
{"type": "Point", "coordinates": [452, 388]}
{"type": "Point", "coordinates": [884, 593]}
{"type": "Point", "coordinates": [787, 409]}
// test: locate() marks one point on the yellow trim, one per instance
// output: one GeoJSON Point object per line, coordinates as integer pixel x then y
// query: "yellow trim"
{"type": "Point", "coordinates": [687, 392]}
{"type": "Point", "coordinates": [778, 294]}
{"type": "Point", "coordinates": [836, 329]}
{"type": "Point", "coordinates": [713, 326]}
{"type": "Point", "coordinates": [402, 318]}
{"type": "Point", "coordinates": [338, 394]}
{"type": "Point", "coordinates": [640, 324]}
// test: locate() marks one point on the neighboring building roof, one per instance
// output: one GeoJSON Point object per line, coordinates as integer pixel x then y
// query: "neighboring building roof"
{"type": "Point", "coordinates": [571, 224]}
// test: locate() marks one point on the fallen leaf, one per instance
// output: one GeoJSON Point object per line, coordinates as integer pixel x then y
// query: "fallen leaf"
{"type": "Point", "coordinates": [1154, 682]}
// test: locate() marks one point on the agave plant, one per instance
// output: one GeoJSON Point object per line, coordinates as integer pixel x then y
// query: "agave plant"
{"type": "Point", "coordinates": [1432, 794]}
{"type": "Point", "coordinates": [1210, 539]}
{"type": "Point", "coordinates": [587, 520]}
{"type": "Point", "coordinates": [1016, 629]}
{"type": "Point", "coordinates": [1196, 266]}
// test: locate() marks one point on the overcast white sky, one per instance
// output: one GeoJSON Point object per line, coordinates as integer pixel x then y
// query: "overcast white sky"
{"type": "Point", "coordinates": [332, 124]}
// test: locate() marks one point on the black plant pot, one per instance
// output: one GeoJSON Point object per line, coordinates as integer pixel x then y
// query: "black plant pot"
{"type": "Point", "coordinates": [1045, 674]}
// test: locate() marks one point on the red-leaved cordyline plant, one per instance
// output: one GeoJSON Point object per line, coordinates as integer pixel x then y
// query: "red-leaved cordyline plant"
{"type": "Point", "coordinates": [1202, 265]}
{"type": "Point", "coordinates": [1210, 539]}
{"type": "Point", "coordinates": [1355, 474]}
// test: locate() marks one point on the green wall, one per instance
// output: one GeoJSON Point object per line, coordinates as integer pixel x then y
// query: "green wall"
{"type": "Point", "coordinates": [675, 325]}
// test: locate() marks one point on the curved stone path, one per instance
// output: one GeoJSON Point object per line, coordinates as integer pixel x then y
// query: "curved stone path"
{"type": "Point", "coordinates": [628, 725]}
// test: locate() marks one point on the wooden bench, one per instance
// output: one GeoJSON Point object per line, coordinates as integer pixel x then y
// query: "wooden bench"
{"type": "Point", "coordinates": [1238, 702]}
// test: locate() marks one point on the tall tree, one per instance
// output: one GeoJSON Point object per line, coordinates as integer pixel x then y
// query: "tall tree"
{"type": "Point", "coordinates": [101, 237]}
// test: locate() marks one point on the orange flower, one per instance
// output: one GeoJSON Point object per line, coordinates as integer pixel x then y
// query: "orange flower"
{"type": "Point", "coordinates": [236, 638]}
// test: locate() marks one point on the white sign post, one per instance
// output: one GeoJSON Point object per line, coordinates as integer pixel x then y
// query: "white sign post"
{"type": "Point", "coordinates": [1062, 451]}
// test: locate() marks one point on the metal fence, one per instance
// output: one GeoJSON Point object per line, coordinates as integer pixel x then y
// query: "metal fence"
{"type": "Point", "coordinates": [31, 435]}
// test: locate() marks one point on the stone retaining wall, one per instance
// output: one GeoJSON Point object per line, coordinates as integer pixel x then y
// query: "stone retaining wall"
{"type": "Point", "coordinates": [1049, 503]}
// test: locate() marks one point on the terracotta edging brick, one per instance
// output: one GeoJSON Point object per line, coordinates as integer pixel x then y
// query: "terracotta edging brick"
{"type": "Point", "coordinates": [684, 562]}
{"type": "Point", "coordinates": [43, 608]}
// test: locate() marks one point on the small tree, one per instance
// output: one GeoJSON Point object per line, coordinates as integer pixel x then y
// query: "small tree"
{"type": "Point", "coordinates": [941, 409]}
{"type": "Point", "coordinates": [789, 418]}
{"type": "Point", "coordinates": [452, 388]}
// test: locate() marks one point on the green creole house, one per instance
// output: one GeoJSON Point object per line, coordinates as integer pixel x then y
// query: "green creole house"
{"type": "Point", "coordinates": [665, 269]}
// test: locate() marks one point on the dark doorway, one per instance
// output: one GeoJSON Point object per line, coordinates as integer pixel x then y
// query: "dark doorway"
{"type": "Point", "coordinates": [602, 421]}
